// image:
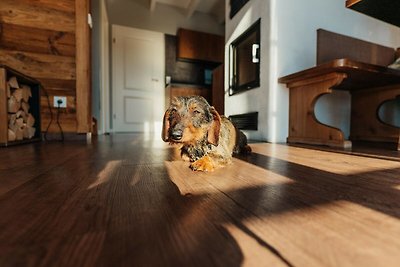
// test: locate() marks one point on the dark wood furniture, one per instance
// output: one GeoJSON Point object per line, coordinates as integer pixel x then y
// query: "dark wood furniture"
{"type": "Point", "coordinates": [200, 46]}
{"type": "Point", "coordinates": [188, 59]}
{"type": "Point", "coordinates": [370, 86]}
{"type": "Point", "coordinates": [183, 71]}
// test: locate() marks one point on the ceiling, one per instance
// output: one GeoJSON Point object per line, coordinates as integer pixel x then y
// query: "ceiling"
{"type": "Point", "coordinates": [215, 8]}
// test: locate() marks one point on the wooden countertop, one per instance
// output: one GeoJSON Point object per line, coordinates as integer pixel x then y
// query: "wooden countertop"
{"type": "Point", "coordinates": [359, 75]}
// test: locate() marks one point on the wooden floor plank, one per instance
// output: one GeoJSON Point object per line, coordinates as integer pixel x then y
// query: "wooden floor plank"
{"type": "Point", "coordinates": [127, 200]}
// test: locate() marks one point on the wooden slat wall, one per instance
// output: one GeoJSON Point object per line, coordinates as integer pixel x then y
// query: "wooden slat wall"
{"type": "Point", "coordinates": [37, 38]}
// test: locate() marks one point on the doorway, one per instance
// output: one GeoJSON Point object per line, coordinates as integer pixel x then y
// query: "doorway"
{"type": "Point", "coordinates": [138, 67]}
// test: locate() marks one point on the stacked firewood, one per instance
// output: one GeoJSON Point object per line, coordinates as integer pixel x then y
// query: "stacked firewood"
{"type": "Point", "coordinates": [20, 120]}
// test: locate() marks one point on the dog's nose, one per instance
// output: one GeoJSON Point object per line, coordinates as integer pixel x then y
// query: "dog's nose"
{"type": "Point", "coordinates": [177, 134]}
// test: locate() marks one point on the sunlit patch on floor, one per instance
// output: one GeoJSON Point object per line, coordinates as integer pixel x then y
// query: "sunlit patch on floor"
{"type": "Point", "coordinates": [237, 176]}
{"type": "Point", "coordinates": [254, 253]}
{"type": "Point", "coordinates": [321, 160]}
{"type": "Point", "coordinates": [107, 173]}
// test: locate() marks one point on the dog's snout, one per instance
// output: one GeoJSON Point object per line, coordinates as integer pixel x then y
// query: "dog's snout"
{"type": "Point", "coordinates": [177, 134]}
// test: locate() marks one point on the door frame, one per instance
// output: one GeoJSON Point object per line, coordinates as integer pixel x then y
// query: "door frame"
{"type": "Point", "coordinates": [105, 109]}
{"type": "Point", "coordinates": [114, 28]}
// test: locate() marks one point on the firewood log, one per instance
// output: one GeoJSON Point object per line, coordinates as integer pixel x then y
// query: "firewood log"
{"type": "Point", "coordinates": [31, 131]}
{"type": "Point", "coordinates": [11, 135]}
{"type": "Point", "coordinates": [19, 133]}
{"type": "Point", "coordinates": [24, 117]}
{"type": "Point", "coordinates": [25, 106]}
{"type": "Point", "coordinates": [25, 131]}
{"type": "Point", "coordinates": [19, 122]}
{"type": "Point", "coordinates": [8, 91]}
{"type": "Point", "coordinates": [30, 121]}
{"type": "Point", "coordinates": [26, 92]}
{"type": "Point", "coordinates": [13, 105]}
{"type": "Point", "coordinates": [13, 82]}
{"type": "Point", "coordinates": [21, 114]}
{"type": "Point", "coordinates": [18, 114]}
{"type": "Point", "coordinates": [11, 119]}
{"type": "Point", "coordinates": [18, 94]}
{"type": "Point", "coordinates": [12, 123]}
{"type": "Point", "coordinates": [13, 127]}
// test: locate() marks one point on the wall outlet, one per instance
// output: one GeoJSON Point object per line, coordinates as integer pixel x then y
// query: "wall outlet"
{"type": "Point", "coordinates": [63, 101]}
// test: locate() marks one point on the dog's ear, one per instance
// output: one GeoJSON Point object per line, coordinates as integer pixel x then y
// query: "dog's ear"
{"type": "Point", "coordinates": [165, 129]}
{"type": "Point", "coordinates": [213, 131]}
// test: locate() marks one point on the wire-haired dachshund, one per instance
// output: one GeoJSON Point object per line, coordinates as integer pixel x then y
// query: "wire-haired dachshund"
{"type": "Point", "coordinates": [207, 139]}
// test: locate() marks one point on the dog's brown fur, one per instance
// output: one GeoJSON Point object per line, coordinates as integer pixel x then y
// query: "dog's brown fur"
{"type": "Point", "coordinates": [208, 140]}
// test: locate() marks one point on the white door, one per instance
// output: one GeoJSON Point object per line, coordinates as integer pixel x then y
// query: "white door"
{"type": "Point", "coordinates": [138, 87]}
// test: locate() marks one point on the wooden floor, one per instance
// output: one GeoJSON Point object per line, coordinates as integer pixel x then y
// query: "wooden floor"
{"type": "Point", "coordinates": [126, 201]}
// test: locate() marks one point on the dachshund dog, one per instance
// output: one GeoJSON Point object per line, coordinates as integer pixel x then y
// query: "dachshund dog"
{"type": "Point", "coordinates": [207, 139]}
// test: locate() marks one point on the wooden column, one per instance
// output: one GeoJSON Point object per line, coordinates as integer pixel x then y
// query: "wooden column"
{"type": "Point", "coordinates": [3, 107]}
{"type": "Point", "coordinates": [83, 70]}
{"type": "Point", "coordinates": [303, 125]}
{"type": "Point", "coordinates": [218, 92]}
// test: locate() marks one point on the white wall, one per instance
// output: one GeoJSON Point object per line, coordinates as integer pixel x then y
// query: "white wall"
{"type": "Point", "coordinates": [165, 19]}
{"type": "Point", "coordinates": [257, 98]}
{"type": "Point", "coordinates": [291, 47]}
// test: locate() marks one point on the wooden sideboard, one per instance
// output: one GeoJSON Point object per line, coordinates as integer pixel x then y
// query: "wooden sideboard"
{"type": "Point", "coordinates": [370, 86]}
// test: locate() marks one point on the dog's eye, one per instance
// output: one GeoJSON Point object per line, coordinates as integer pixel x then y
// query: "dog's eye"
{"type": "Point", "coordinates": [172, 113]}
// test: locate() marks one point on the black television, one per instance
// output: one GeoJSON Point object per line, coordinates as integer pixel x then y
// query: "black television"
{"type": "Point", "coordinates": [244, 60]}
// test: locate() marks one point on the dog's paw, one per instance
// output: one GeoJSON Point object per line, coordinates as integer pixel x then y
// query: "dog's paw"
{"type": "Point", "coordinates": [204, 164]}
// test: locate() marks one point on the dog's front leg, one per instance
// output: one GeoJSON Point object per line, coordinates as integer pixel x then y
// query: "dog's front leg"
{"type": "Point", "coordinates": [204, 163]}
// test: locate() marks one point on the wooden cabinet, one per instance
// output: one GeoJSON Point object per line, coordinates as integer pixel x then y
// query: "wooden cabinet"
{"type": "Point", "coordinates": [194, 45]}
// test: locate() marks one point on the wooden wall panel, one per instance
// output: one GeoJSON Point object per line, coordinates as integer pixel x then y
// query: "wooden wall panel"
{"type": "Point", "coordinates": [42, 16]}
{"type": "Point", "coordinates": [67, 116]}
{"type": "Point", "coordinates": [40, 65]}
{"type": "Point", "coordinates": [60, 5]}
{"type": "Point", "coordinates": [59, 87]}
{"type": "Point", "coordinates": [38, 38]}
{"type": "Point", "coordinates": [28, 39]}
